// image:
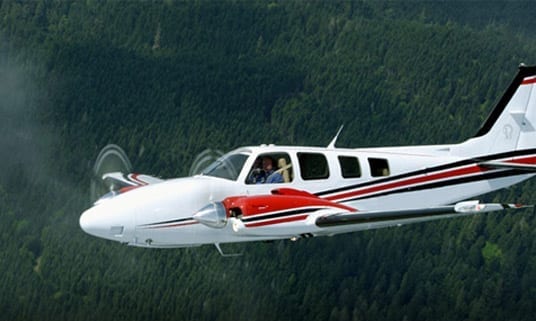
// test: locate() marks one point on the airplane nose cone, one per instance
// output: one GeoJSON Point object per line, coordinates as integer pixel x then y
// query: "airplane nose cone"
{"type": "Point", "coordinates": [97, 222]}
{"type": "Point", "coordinates": [92, 223]}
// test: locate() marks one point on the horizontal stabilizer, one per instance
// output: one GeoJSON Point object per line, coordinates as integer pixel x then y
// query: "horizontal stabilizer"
{"type": "Point", "coordinates": [119, 183]}
{"type": "Point", "coordinates": [121, 180]}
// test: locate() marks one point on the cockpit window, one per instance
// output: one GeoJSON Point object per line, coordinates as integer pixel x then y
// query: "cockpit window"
{"type": "Point", "coordinates": [270, 168]}
{"type": "Point", "coordinates": [228, 166]}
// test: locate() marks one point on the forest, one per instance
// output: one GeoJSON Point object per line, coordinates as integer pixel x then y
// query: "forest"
{"type": "Point", "coordinates": [168, 79]}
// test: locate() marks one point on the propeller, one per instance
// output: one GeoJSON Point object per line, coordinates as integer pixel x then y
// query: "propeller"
{"type": "Point", "coordinates": [111, 158]}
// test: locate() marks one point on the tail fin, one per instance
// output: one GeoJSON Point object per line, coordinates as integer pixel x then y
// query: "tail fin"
{"type": "Point", "coordinates": [511, 125]}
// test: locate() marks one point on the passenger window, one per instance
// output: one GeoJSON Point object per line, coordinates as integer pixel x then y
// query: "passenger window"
{"type": "Point", "coordinates": [313, 166]}
{"type": "Point", "coordinates": [271, 168]}
{"type": "Point", "coordinates": [378, 167]}
{"type": "Point", "coordinates": [349, 167]}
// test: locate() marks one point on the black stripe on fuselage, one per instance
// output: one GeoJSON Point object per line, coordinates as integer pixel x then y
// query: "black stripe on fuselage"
{"type": "Point", "coordinates": [451, 182]}
{"type": "Point", "coordinates": [180, 220]}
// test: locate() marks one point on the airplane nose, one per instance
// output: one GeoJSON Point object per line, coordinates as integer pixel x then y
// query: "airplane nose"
{"type": "Point", "coordinates": [92, 224]}
{"type": "Point", "coordinates": [95, 223]}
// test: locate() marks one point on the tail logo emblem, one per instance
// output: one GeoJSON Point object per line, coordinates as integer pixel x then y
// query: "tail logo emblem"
{"type": "Point", "coordinates": [507, 129]}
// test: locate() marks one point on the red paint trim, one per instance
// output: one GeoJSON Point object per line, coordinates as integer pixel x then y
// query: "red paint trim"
{"type": "Point", "coordinates": [134, 177]}
{"type": "Point", "coordinates": [278, 221]}
{"type": "Point", "coordinates": [427, 178]}
{"type": "Point", "coordinates": [266, 204]}
{"type": "Point", "coordinates": [528, 81]}
{"type": "Point", "coordinates": [526, 160]}
{"type": "Point", "coordinates": [127, 189]}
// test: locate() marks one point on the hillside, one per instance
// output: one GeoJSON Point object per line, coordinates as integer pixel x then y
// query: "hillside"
{"type": "Point", "coordinates": [166, 80]}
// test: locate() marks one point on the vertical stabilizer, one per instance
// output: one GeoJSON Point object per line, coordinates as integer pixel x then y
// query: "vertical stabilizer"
{"type": "Point", "coordinates": [511, 125]}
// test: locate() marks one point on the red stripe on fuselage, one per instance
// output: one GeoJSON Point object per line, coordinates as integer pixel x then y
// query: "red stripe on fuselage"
{"type": "Point", "coordinates": [527, 160]}
{"type": "Point", "coordinates": [474, 169]}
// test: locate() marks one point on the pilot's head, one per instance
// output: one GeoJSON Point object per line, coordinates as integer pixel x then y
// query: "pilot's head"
{"type": "Point", "coordinates": [267, 163]}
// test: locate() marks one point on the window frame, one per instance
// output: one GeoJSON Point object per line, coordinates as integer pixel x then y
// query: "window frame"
{"type": "Point", "coordinates": [377, 167]}
{"type": "Point", "coordinates": [344, 167]}
{"type": "Point", "coordinates": [276, 155]}
{"type": "Point", "coordinates": [302, 158]}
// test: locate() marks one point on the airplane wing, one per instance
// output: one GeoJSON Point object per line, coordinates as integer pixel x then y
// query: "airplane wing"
{"type": "Point", "coordinates": [287, 212]}
{"type": "Point", "coordinates": [398, 217]}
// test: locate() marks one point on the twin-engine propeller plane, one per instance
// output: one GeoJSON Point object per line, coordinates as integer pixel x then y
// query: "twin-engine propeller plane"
{"type": "Point", "coordinates": [273, 192]}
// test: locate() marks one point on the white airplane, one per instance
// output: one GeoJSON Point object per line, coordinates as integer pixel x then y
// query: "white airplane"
{"type": "Point", "coordinates": [273, 192]}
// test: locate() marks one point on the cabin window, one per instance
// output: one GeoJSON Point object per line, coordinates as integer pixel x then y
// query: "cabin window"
{"type": "Point", "coordinates": [378, 167]}
{"type": "Point", "coordinates": [349, 167]}
{"type": "Point", "coordinates": [270, 168]}
{"type": "Point", "coordinates": [313, 166]}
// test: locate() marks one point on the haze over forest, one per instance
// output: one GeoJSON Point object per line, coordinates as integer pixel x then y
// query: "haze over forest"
{"type": "Point", "coordinates": [167, 79]}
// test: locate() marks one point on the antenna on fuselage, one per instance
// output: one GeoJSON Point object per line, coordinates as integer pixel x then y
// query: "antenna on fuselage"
{"type": "Point", "coordinates": [332, 143]}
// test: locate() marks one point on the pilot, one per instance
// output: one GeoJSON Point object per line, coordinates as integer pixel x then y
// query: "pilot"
{"type": "Point", "coordinates": [266, 175]}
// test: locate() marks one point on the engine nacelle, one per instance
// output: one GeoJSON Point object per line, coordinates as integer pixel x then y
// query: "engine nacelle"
{"type": "Point", "coordinates": [280, 213]}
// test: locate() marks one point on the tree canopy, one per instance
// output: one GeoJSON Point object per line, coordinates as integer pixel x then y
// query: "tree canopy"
{"type": "Point", "coordinates": [168, 79]}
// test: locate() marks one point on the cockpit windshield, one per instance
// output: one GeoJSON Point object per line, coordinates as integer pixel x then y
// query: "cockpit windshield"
{"type": "Point", "coordinates": [228, 166]}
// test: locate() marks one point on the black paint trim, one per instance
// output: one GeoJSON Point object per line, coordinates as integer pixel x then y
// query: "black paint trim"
{"type": "Point", "coordinates": [280, 214]}
{"type": "Point", "coordinates": [397, 177]}
{"type": "Point", "coordinates": [456, 181]}
{"type": "Point", "coordinates": [180, 220]}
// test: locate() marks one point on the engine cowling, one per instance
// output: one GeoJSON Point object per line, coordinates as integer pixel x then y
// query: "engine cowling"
{"type": "Point", "coordinates": [255, 212]}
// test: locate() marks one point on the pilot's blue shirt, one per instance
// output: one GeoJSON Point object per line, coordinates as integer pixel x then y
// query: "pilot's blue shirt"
{"type": "Point", "coordinates": [264, 177]}
{"type": "Point", "coordinates": [273, 177]}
